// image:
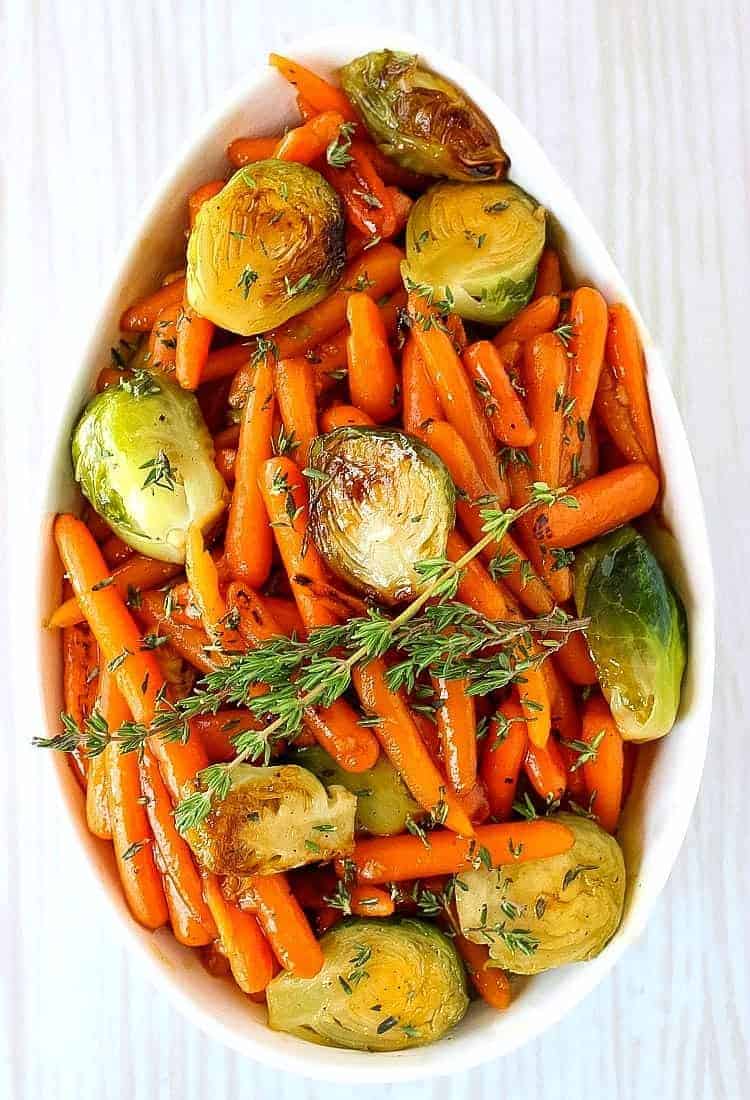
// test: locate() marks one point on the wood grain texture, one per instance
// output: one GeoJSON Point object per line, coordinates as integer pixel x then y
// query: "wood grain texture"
{"type": "Point", "coordinates": [643, 107]}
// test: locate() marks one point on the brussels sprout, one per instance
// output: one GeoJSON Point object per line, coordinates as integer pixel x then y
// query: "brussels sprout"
{"type": "Point", "coordinates": [638, 632]}
{"type": "Point", "coordinates": [274, 818]}
{"type": "Point", "coordinates": [478, 245]}
{"type": "Point", "coordinates": [384, 805]}
{"type": "Point", "coordinates": [547, 912]}
{"type": "Point", "coordinates": [421, 120]}
{"type": "Point", "coordinates": [267, 247]}
{"type": "Point", "coordinates": [144, 459]}
{"type": "Point", "coordinates": [382, 501]}
{"type": "Point", "coordinates": [384, 985]}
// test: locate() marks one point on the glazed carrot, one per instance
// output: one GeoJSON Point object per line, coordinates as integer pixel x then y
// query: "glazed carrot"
{"type": "Point", "coordinates": [311, 885]}
{"type": "Point", "coordinates": [421, 403]}
{"type": "Point", "coordinates": [329, 361]}
{"type": "Point", "coordinates": [403, 745]}
{"type": "Point", "coordinates": [294, 383]}
{"type": "Point", "coordinates": [162, 340]}
{"type": "Point", "coordinates": [108, 376]}
{"type": "Point", "coordinates": [502, 756]}
{"type": "Point", "coordinates": [225, 362]}
{"type": "Point", "coordinates": [97, 806]}
{"type": "Point", "coordinates": [227, 437]}
{"type": "Point", "coordinates": [316, 91]}
{"type": "Point", "coordinates": [115, 551]}
{"type": "Point", "coordinates": [131, 833]}
{"type": "Point", "coordinates": [200, 195]}
{"type": "Point", "coordinates": [369, 901]}
{"type": "Point", "coordinates": [476, 803]}
{"type": "Point", "coordinates": [368, 202]}
{"type": "Point", "coordinates": [603, 772]}
{"type": "Point", "coordinates": [174, 856]}
{"type": "Point", "coordinates": [79, 673]}
{"type": "Point", "coordinates": [344, 416]}
{"type": "Point", "coordinates": [502, 405]}
{"type": "Point", "coordinates": [189, 641]}
{"type": "Point", "coordinates": [545, 376]}
{"type": "Point", "coordinates": [194, 336]}
{"type": "Point", "coordinates": [307, 142]}
{"type": "Point", "coordinates": [242, 942]}
{"type": "Point", "coordinates": [548, 278]}
{"type": "Point", "coordinates": [132, 576]}
{"type": "Point", "coordinates": [457, 726]}
{"type": "Point", "coordinates": [530, 531]}
{"type": "Point", "coordinates": [575, 661]}
{"type": "Point", "coordinates": [457, 400]}
{"type": "Point", "coordinates": [566, 725]}
{"type": "Point", "coordinates": [244, 151]}
{"type": "Point", "coordinates": [537, 317]}
{"type": "Point", "coordinates": [397, 858]}
{"type": "Point", "coordinates": [588, 462]}
{"type": "Point", "coordinates": [216, 731]}
{"type": "Point", "coordinates": [588, 318]}
{"type": "Point", "coordinates": [284, 923]}
{"type": "Point", "coordinates": [491, 983]}
{"type": "Point", "coordinates": [136, 670]}
{"type": "Point", "coordinates": [611, 404]}
{"type": "Point", "coordinates": [546, 770]}
{"type": "Point", "coordinates": [142, 315]}
{"type": "Point", "coordinates": [203, 579]}
{"type": "Point", "coordinates": [393, 174]}
{"type": "Point", "coordinates": [285, 615]}
{"type": "Point", "coordinates": [248, 543]}
{"type": "Point", "coordinates": [477, 589]}
{"type": "Point", "coordinates": [604, 502]}
{"type": "Point", "coordinates": [376, 272]}
{"type": "Point", "coordinates": [306, 109]}
{"type": "Point", "coordinates": [625, 356]}
{"type": "Point", "coordinates": [520, 577]}
{"type": "Point", "coordinates": [373, 381]}
{"type": "Point", "coordinates": [327, 918]}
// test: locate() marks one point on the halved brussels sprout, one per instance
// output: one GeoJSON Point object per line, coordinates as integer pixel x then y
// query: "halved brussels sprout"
{"type": "Point", "coordinates": [638, 632]}
{"type": "Point", "coordinates": [381, 501]}
{"type": "Point", "coordinates": [144, 459]}
{"type": "Point", "coordinates": [384, 805]}
{"type": "Point", "coordinates": [421, 120]}
{"type": "Point", "coordinates": [267, 247]}
{"type": "Point", "coordinates": [274, 818]}
{"type": "Point", "coordinates": [478, 244]}
{"type": "Point", "coordinates": [547, 912]}
{"type": "Point", "coordinates": [384, 985]}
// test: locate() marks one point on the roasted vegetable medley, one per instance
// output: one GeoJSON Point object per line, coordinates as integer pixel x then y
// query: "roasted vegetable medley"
{"type": "Point", "coordinates": [361, 624]}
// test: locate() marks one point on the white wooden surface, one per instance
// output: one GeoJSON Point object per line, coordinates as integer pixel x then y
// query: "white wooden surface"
{"type": "Point", "coordinates": [643, 106]}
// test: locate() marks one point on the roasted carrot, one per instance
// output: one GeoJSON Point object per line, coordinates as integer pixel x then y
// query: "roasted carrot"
{"type": "Point", "coordinates": [546, 770]}
{"type": "Point", "coordinates": [625, 355]}
{"type": "Point", "coordinates": [588, 319]}
{"type": "Point", "coordinates": [344, 416]}
{"type": "Point", "coordinates": [603, 503]}
{"type": "Point", "coordinates": [174, 856]}
{"type": "Point", "coordinates": [491, 983]}
{"type": "Point", "coordinates": [316, 91]}
{"type": "Point", "coordinates": [284, 923]}
{"type": "Point", "coordinates": [244, 151]}
{"type": "Point", "coordinates": [248, 544]}
{"type": "Point", "coordinates": [202, 194]}
{"type": "Point", "coordinates": [294, 383]}
{"type": "Point", "coordinates": [545, 375]}
{"type": "Point", "coordinates": [502, 756]}
{"type": "Point", "coordinates": [603, 765]}
{"type": "Point", "coordinates": [162, 340]}
{"type": "Point", "coordinates": [404, 747]}
{"type": "Point", "coordinates": [613, 410]}
{"type": "Point", "coordinates": [457, 726]}
{"type": "Point", "coordinates": [421, 404]}
{"type": "Point", "coordinates": [537, 317]}
{"type": "Point", "coordinates": [194, 336]}
{"type": "Point", "coordinates": [368, 202]}
{"type": "Point", "coordinates": [397, 858]}
{"type": "Point", "coordinates": [242, 942]}
{"type": "Point", "coordinates": [548, 278]}
{"type": "Point", "coordinates": [369, 901]}
{"type": "Point", "coordinates": [142, 315]}
{"type": "Point", "coordinates": [129, 579]}
{"type": "Point", "coordinates": [307, 142]}
{"type": "Point", "coordinates": [373, 381]}
{"type": "Point", "coordinates": [502, 405]}
{"type": "Point", "coordinates": [458, 402]}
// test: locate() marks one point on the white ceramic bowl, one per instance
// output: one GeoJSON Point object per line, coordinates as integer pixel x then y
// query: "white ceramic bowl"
{"type": "Point", "coordinates": [669, 772]}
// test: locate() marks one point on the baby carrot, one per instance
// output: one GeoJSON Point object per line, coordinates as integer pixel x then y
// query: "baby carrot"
{"type": "Point", "coordinates": [603, 764]}
{"type": "Point", "coordinates": [545, 375]}
{"type": "Point", "coordinates": [244, 151]}
{"type": "Point", "coordinates": [588, 318]}
{"type": "Point", "coordinates": [373, 381]}
{"type": "Point", "coordinates": [421, 404]}
{"type": "Point", "coordinates": [202, 194]}
{"type": "Point", "coordinates": [242, 942]}
{"type": "Point", "coordinates": [612, 408]}
{"type": "Point", "coordinates": [285, 925]}
{"type": "Point", "coordinates": [537, 317]}
{"type": "Point", "coordinates": [307, 142]}
{"type": "Point", "coordinates": [142, 315]}
{"type": "Point", "coordinates": [295, 393]}
{"type": "Point", "coordinates": [369, 901]}
{"type": "Point", "coordinates": [502, 405]}
{"type": "Point", "coordinates": [491, 983]}
{"type": "Point", "coordinates": [548, 278]}
{"type": "Point", "coordinates": [625, 355]}
{"type": "Point", "coordinates": [502, 756]}
{"type": "Point", "coordinates": [344, 416]}
{"type": "Point", "coordinates": [457, 727]}
{"type": "Point", "coordinates": [603, 503]}
{"type": "Point", "coordinates": [248, 544]}
{"type": "Point", "coordinates": [575, 661]}
{"type": "Point", "coordinates": [398, 858]}
{"type": "Point", "coordinates": [316, 91]}
{"type": "Point", "coordinates": [545, 769]}
{"type": "Point", "coordinates": [194, 336]}
{"type": "Point", "coordinates": [368, 202]}
{"type": "Point", "coordinates": [162, 340]}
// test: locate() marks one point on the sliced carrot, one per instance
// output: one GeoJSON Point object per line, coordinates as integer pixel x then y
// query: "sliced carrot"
{"type": "Point", "coordinates": [625, 355]}
{"type": "Point", "coordinates": [502, 756]}
{"type": "Point", "coordinates": [317, 92]}
{"type": "Point", "coordinates": [603, 772]}
{"type": "Point", "coordinates": [344, 416]}
{"type": "Point", "coordinates": [142, 315]}
{"type": "Point", "coordinates": [537, 317]}
{"type": "Point", "coordinates": [80, 664]}
{"type": "Point", "coordinates": [603, 503]}
{"type": "Point", "coordinates": [397, 858]}
{"type": "Point", "coordinates": [502, 405]}
{"type": "Point", "coordinates": [373, 381]}
{"type": "Point", "coordinates": [548, 278]}
{"type": "Point", "coordinates": [295, 392]}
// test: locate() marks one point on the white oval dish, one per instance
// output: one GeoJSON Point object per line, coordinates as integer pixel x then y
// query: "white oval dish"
{"type": "Point", "coordinates": [669, 772]}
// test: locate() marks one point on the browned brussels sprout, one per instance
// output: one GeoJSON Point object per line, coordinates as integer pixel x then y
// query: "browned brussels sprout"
{"type": "Point", "coordinates": [421, 120]}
